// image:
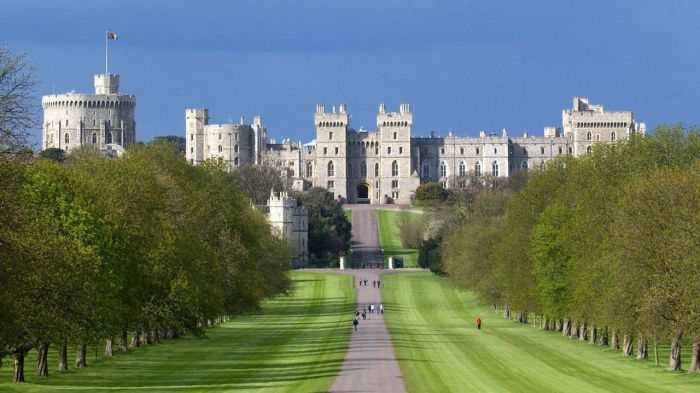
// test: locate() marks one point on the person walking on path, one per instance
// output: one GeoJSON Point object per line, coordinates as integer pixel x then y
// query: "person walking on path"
{"type": "Point", "coordinates": [364, 314]}
{"type": "Point", "coordinates": [381, 309]}
{"type": "Point", "coordinates": [478, 323]}
{"type": "Point", "coordinates": [379, 283]}
{"type": "Point", "coordinates": [365, 281]}
{"type": "Point", "coordinates": [374, 283]}
{"type": "Point", "coordinates": [355, 322]}
{"type": "Point", "coordinates": [360, 282]}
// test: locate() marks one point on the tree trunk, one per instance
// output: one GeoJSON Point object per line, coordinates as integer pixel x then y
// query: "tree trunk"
{"type": "Point", "coordinates": [573, 331]}
{"type": "Point", "coordinates": [695, 360]}
{"type": "Point", "coordinates": [135, 342]}
{"type": "Point", "coordinates": [592, 335]}
{"type": "Point", "coordinates": [603, 336]}
{"type": "Point", "coordinates": [109, 344]}
{"type": "Point", "coordinates": [656, 354]}
{"type": "Point", "coordinates": [121, 346]}
{"type": "Point", "coordinates": [506, 312]}
{"type": "Point", "coordinates": [558, 325]}
{"type": "Point", "coordinates": [674, 361]}
{"type": "Point", "coordinates": [42, 361]}
{"type": "Point", "coordinates": [642, 349]}
{"type": "Point", "coordinates": [523, 317]}
{"type": "Point", "coordinates": [545, 323]}
{"type": "Point", "coordinates": [627, 345]}
{"type": "Point", "coordinates": [18, 369]}
{"type": "Point", "coordinates": [582, 331]}
{"type": "Point", "coordinates": [143, 338]}
{"type": "Point", "coordinates": [63, 357]}
{"type": "Point", "coordinates": [566, 328]}
{"type": "Point", "coordinates": [81, 356]}
{"type": "Point", "coordinates": [614, 343]}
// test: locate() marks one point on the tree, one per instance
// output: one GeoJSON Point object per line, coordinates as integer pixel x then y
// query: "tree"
{"type": "Point", "coordinates": [53, 153]}
{"type": "Point", "coordinates": [329, 229]}
{"type": "Point", "coordinates": [17, 83]}
{"type": "Point", "coordinates": [430, 193]}
{"type": "Point", "coordinates": [256, 181]}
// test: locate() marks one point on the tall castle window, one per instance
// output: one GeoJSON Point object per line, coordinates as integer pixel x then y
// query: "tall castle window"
{"type": "Point", "coordinates": [425, 170]}
{"type": "Point", "coordinates": [94, 137]}
{"type": "Point", "coordinates": [363, 169]}
{"type": "Point", "coordinates": [443, 169]}
{"type": "Point", "coordinates": [612, 136]}
{"type": "Point", "coordinates": [336, 151]}
{"type": "Point", "coordinates": [588, 149]}
{"type": "Point", "coordinates": [395, 135]}
{"type": "Point", "coordinates": [235, 148]}
{"type": "Point", "coordinates": [541, 150]}
{"type": "Point", "coordinates": [388, 150]}
{"type": "Point", "coordinates": [235, 161]}
{"type": "Point", "coordinates": [309, 169]}
{"type": "Point", "coordinates": [494, 169]}
{"type": "Point", "coordinates": [221, 149]}
{"type": "Point", "coordinates": [330, 136]}
{"type": "Point", "coordinates": [67, 138]}
{"type": "Point", "coordinates": [400, 150]}
{"type": "Point", "coordinates": [461, 150]}
{"type": "Point", "coordinates": [376, 170]}
{"type": "Point", "coordinates": [394, 168]}
{"type": "Point", "coordinates": [462, 168]}
{"type": "Point", "coordinates": [109, 138]}
{"type": "Point", "coordinates": [477, 151]}
{"type": "Point", "coordinates": [477, 168]}
{"type": "Point", "coordinates": [331, 169]}
{"type": "Point", "coordinates": [588, 136]}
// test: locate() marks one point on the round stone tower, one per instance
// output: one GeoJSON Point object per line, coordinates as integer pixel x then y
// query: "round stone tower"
{"type": "Point", "coordinates": [104, 120]}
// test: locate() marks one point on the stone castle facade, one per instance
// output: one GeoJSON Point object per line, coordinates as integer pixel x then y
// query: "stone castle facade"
{"type": "Point", "coordinates": [387, 165]}
{"type": "Point", "coordinates": [292, 223]}
{"type": "Point", "coordinates": [104, 120]}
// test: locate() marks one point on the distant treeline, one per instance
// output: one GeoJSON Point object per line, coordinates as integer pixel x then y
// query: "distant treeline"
{"type": "Point", "coordinates": [129, 250]}
{"type": "Point", "coordinates": [604, 247]}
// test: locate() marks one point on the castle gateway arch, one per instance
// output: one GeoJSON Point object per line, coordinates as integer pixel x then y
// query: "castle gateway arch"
{"type": "Point", "coordinates": [362, 192]}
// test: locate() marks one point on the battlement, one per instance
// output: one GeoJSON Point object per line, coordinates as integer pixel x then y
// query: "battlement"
{"type": "Point", "coordinates": [281, 199]}
{"type": "Point", "coordinates": [339, 119]}
{"type": "Point", "coordinates": [403, 118]}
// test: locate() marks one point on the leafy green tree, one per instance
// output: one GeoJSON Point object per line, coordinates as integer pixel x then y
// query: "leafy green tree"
{"type": "Point", "coordinates": [329, 229]}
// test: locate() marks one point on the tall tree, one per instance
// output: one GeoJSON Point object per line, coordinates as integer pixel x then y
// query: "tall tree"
{"type": "Point", "coordinates": [17, 111]}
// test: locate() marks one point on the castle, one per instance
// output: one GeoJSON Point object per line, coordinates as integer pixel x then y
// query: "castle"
{"type": "Point", "coordinates": [104, 120]}
{"type": "Point", "coordinates": [387, 165]}
{"type": "Point", "coordinates": [292, 223]}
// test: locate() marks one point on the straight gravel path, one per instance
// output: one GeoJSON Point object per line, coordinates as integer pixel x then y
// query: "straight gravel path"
{"type": "Point", "coordinates": [370, 364]}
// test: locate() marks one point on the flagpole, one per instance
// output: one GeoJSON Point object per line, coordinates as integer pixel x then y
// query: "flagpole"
{"type": "Point", "coordinates": [106, 53]}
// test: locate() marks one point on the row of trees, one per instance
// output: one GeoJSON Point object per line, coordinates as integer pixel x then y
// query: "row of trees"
{"type": "Point", "coordinates": [142, 247]}
{"type": "Point", "coordinates": [605, 247]}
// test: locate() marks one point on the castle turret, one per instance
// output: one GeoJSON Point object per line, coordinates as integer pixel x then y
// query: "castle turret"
{"type": "Point", "coordinates": [331, 149]}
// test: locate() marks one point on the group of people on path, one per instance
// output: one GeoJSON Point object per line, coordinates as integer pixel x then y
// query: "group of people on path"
{"type": "Point", "coordinates": [375, 283]}
{"type": "Point", "coordinates": [371, 308]}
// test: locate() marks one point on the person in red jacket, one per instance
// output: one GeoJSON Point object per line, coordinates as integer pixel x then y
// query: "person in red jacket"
{"type": "Point", "coordinates": [478, 323]}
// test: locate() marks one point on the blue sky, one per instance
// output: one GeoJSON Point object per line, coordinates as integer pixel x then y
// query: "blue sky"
{"type": "Point", "coordinates": [464, 66]}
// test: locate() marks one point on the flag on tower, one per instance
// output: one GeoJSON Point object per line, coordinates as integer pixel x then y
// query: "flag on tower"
{"type": "Point", "coordinates": [112, 36]}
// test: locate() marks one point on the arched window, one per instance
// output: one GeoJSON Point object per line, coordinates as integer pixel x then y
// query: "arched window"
{"type": "Point", "coordinates": [221, 149]}
{"type": "Point", "coordinates": [235, 148]}
{"type": "Point", "coordinates": [477, 168]}
{"type": "Point", "coordinates": [94, 137]}
{"type": "Point", "coordinates": [588, 149]}
{"type": "Point", "coordinates": [425, 172]}
{"type": "Point", "coordinates": [67, 138]}
{"type": "Point", "coordinates": [494, 169]}
{"type": "Point", "coordinates": [588, 136]}
{"type": "Point", "coordinates": [443, 169]}
{"type": "Point", "coordinates": [109, 138]}
{"type": "Point", "coordinates": [394, 168]}
{"type": "Point", "coordinates": [309, 169]}
{"type": "Point", "coordinates": [363, 169]}
{"type": "Point", "coordinates": [376, 170]}
{"type": "Point", "coordinates": [462, 168]}
{"type": "Point", "coordinates": [331, 169]}
{"type": "Point", "coordinates": [524, 166]}
{"type": "Point", "coordinates": [235, 161]}
{"type": "Point", "coordinates": [612, 136]}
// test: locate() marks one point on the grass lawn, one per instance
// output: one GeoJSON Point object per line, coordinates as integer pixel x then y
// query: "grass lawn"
{"type": "Point", "coordinates": [296, 344]}
{"type": "Point", "coordinates": [390, 238]}
{"type": "Point", "coordinates": [439, 350]}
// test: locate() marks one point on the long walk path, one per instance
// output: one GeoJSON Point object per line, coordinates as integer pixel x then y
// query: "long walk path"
{"type": "Point", "coordinates": [370, 364]}
{"type": "Point", "coordinates": [366, 249]}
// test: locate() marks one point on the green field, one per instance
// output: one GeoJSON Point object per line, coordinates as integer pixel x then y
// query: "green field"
{"type": "Point", "coordinates": [296, 344]}
{"type": "Point", "coordinates": [390, 238]}
{"type": "Point", "coordinates": [439, 350]}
